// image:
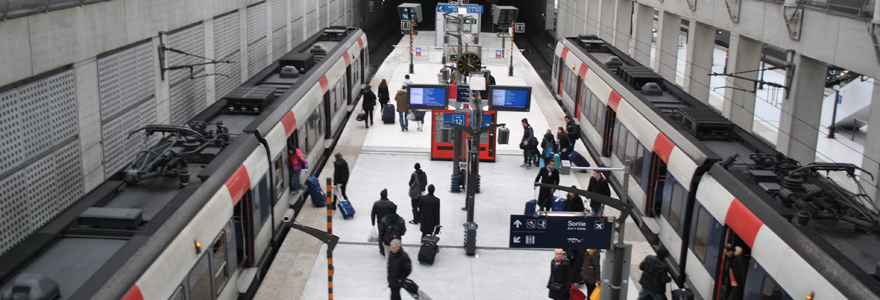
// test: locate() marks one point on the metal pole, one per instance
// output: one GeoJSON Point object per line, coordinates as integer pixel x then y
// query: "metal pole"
{"type": "Point", "coordinates": [510, 71]}
{"type": "Point", "coordinates": [832, 128]}
{"type": "Point", "coordinates": [411, 37]}
{"type": "Point", "coordinates": [329, 232]}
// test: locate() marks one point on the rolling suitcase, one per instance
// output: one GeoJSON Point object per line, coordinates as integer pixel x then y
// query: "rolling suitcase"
{"type": "Point", "coordinates": [531, 206]}
{"type": "Point", "coordinates": [388, 114]}
{"type": "Point", "coordinates": [682, 294]}
{"type": "Point", "coordinates": [578, 160]}
{"type": "Point", "coordinates": [346, 209]}
{"type": "Point", "coordinates": [429, 249]}
{"type": "Point", "coordinates": [558, 204]}
{"type": "Point", "coordinates": [315, 192]}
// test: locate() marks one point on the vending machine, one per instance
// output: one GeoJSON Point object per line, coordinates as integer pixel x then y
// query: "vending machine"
{"type": "Point", "coordinates": [443, 136]}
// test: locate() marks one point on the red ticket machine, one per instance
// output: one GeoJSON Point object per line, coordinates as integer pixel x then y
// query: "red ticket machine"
{"type": "Point", "coordinates": [443, 137]}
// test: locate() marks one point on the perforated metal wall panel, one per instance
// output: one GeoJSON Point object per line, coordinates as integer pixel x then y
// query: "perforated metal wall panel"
{"type": "Point", "coordinates": [334, 12]}
{"type": "Point", "coordinates": [68, 174]}
{"type": "Point", "coordinates": [62, 94]}
{"type": "Point", "coordinates": [311, 23]}
{"type": "Point", "coordinates": [258, 51]}
{"type": "Point", "coordinates": [297, 21]}
{"type": "Point", "coordinates": [279, 43]}
{"type": "Point", "coordinates": [119, 149]}
{"type": "Point", "coordinates": [11, 146]}
{"type": "Point", "coordinates": [322, 17]}
{"type": "Point", "coordinates": [125, 78]}
{"type": "Point", "coordinates": [188, 96]}
{"type": "Point", "coordinates": [39, 103]}
{"type": "Point", "coordinates": [258, 55]}
{"type": "Point", "coordinates": [227, 39]}
{"type": "Point", "coordinates": [41, 192]}
{"type": "Point", "coordinates": [13, 217]}
{"type": "Point", "coordinates": [279, 14]}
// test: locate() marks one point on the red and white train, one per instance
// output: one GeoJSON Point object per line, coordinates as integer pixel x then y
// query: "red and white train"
{"type": "Point", "coordinates": [699, 182]}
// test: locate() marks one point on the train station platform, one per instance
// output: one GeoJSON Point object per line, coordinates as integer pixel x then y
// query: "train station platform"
{"type": "Point", "coordinates": [383, 157]}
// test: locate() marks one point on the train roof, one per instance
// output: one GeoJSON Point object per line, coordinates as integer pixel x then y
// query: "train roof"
{"type": "Point", "coordinates": [84, 247]}
{"type": "Point", "coordinates": [772, 186]}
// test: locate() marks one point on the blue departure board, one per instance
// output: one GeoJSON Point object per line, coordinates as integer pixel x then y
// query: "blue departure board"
{"type": "Point", "coordinates": [427, 96]}
{"type": "Point", "coordinates": [510, 98]}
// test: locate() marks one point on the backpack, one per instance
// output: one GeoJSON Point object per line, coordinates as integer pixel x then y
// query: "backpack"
{"type": "Point", "coordinates": [391, 232]}
{"type": "Point", "coordinates": [415, 189]}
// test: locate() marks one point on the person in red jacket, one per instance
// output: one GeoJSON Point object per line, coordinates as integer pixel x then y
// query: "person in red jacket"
{"type": "Point", "coordinates": [296, 162]}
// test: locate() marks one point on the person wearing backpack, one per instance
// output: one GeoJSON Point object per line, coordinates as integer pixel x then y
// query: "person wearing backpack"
{"type": "Point", "coordinates": [654, 276]}
{"type": "Point", "coordinates": [296, 163]}
{"type": "Point", "coordinates": [381, 208]}
{"type": "Point", "coordinates": [393, 227]}
{"type": "Point", "coordinates": [573, 130]}
{"type": "Point", "coordinates": [417, 183]}
{"type": "Point", "coordinates": [527, 143]}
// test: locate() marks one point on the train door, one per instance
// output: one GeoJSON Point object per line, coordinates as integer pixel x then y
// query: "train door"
{"type": "Point", "coordinates": [579, 98]}
{"type": "Point", "coordinates": [657, 182]}
{"type": "Point", "coordinates": [561, 66]}
{"type": "Point", "coordinates": [348, 90]}
{"type": "Point", "coordinates": [759, 285]}
{"type": "Point", "coordinates": [328, 114]}
{"type": "Point", "coordinates": [608, 134]}
{"type": "Point", "coordinates": [244, 231]}
{"type": "Point", "coordinates": [723, 284]}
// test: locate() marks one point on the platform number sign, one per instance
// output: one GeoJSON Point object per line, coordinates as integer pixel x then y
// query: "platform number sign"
{"type": "Point", "coordinates": [519, 27]}
{"type": "Point", "coordinates": [405, 25]}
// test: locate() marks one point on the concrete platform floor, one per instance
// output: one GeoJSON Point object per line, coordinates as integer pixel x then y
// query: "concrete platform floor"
{"type": "Point", "coordinates": [383, 157]}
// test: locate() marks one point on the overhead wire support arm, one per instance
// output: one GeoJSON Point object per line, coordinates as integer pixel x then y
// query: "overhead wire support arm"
{"type": "Point", "coordinates": [208, 61]}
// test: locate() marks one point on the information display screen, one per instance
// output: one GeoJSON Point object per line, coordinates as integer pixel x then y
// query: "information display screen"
{"type": "Point", "coordinates": [510, 98]}
{"type": "Point", "coordinates": [427, 96]}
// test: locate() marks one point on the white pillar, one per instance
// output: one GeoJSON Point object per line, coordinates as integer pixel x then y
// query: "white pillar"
{"type": "Point", "coordinates": [739, 106]}
{"type": "Point", "coordinates": [871, 154]}
{"type": "Point", "coordinates": [606, 20]}
{"type": "Point", "coordinates": [623, 11]}
{"type": "Point", "coordinates": [700, 47]}
{"type": "Point", "coordinates": [643, 24]}
{"type": "Point", "coordinates": [668, 32]}
{"type": "Point", "coordinates": [802, 110]}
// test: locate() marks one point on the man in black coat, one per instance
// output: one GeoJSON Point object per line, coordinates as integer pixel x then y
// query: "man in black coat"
{"type": "Point", "coordinates": [429, 209]}
{"type": "Point", "coordinates": [526, 143]}
{"type": "Point", "coordinates": [738, 268]}
{"type": "Point", "coordinates": [560, 280]}
{"type": "Point", "coordinates": [369, 103]}
{"type": "Point", "coordinates": [399, 267]}
{"type": "Point", "coordinates": [598, 185]}
{"type": "Point", "coordinates": [393, 227]}
{"type": "Point", "coordinates": [548, 175]}
{"type": "Point", "coordinates": [422, 178]}
{"type": "Point", "coordinates": [381, 208]}
{"type": "Point", "coordinates": [340, 174]}
{"type": "Point", "coordinates": [654, 276]}
{"type": "Point", "coordinates": [573, 130]}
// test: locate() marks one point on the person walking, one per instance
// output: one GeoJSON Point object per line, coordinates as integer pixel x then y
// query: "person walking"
{"type": "Point", "coordinates": [381, 208]}
{"type": "Point", "coordinates": [548, 175]}
{"type": "Point", "coordinates": [429, 210]}
{"type": "Point", "coordinates": [525, 144]}
{"type": "Point", "coordinates": [417, 183]}
{"type": "Point", "coordinates": [598, 185]}
{"type": "Point", "coordinates": [654, 276]}
{"type": "Point", "coordinates": [393, 227]}
{"type": "Point", "coordinates": [738, 268]}
{"type": "Point", "coordinates": [399, 267]}
{"type": "Point", "coordinates": [559, 283]}
{"type": "Point", "coordinates": [296, 163]}
{"type": "Point", "coordinates": [406, 80]}
{"type": "Point", "coordinates": [383, 95]}
{"type": "Point", "coordinates": [401, 100]}
{"type": "Point", "coordinates": [548, 146]}
{"type": "Point", "coordinates": [340, 174]}
{"type": "Point", "coordinates": [573, 130]}
{"type": "Point", "coordinates": [591, 272]}
{"type": "Point", "coordinates": [564, 144]}
{"type": "Point", "coordinates": [369, 103]}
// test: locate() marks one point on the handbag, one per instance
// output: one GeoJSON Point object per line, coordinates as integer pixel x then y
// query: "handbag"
{"type": "Point", "coordinates": [374, 235]}
{"type": "Point", "coordinates": [361, 116]}
{"type": "Point", "coordinates": [595, 294]}
{"type": "Point", "coordinates": [415, 189]}
{"type": "Point", "coordinates": [411, 116]}
{"type": "Point", "coordinates": [555, 286]}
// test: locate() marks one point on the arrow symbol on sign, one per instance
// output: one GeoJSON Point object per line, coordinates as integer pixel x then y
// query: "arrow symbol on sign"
{"type": "Point", "coordinates": [517, 223]}
{"type": "Point", "coordinates": [516, 240]}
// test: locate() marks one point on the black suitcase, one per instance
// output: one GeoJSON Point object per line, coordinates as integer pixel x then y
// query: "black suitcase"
{"type": "Point", "coordinates": [682, 294]}
{"type": "Point", "coordinates": [388, 114]}
{"type": "Point", "coordinates": [429, 249]}
{"type": "Point", "coordinates": [578, 160]}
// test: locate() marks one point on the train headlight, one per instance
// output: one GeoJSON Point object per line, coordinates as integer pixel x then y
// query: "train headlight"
{"type": "Point", "coordinates": [810, 296]}
{"type": "Point", "coordinates": [198, 247]}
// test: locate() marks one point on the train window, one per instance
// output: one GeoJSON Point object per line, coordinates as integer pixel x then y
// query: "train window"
{"type": "Point", "coordinates": [701, 238]}
{"type": "Point", "coordinates": [200, 281]}
{"type": "Point", "coordinates": [219, 265]}
{"type": "Point", "coordinates": [572, 83]}
{"type": "Point", "coordinates": [675, 205]}
{"type": "Point", "coordinates": [280, 183]}
{"type": "Point", "coordinates": [555, 67]}
{"type": "Point", "coordinates": [770, 290]}
{"type": "Point", "coordinates": [178, 294]}
{"type": "Point", "coordinates": [639, 163]}
{"type": "Point", "coordinates": [600, 114]}
{"type": "Point", "coordinates": [631, 146]}
{"type": "Point", "coordinates": [589, 111]}
{"type": "Point", "coordinates": [622, 132]}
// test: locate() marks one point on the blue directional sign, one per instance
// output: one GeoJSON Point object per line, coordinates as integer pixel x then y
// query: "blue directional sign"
{"type": "Point", "coordinates": [528, 231]}
{"type": "Point", "coordinates": [457, 118]}
{"type": "Point", "coordinates": [450, 8]}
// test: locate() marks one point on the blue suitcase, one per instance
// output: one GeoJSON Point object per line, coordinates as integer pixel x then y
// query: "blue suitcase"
{"type": "Point", "coordinates": [315, 192]}
{"type": "Point", "coordinates": [531, 206]}
{"type": "Point", "coordinates": [578, 160]}
{"type": "Point", "coordinates": [346, 209]}
{"type": "Point", "coordinates": [558, 204]}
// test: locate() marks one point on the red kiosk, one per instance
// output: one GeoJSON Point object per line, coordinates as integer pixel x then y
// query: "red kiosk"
{"type": "Point", "coordinates": [443, 137]}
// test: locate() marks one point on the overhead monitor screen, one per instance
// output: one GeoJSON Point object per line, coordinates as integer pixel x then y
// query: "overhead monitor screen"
{"type": "Point", "coordinates": [510, 98]}
{"type": "Point", "coordinates": [427, 96]}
